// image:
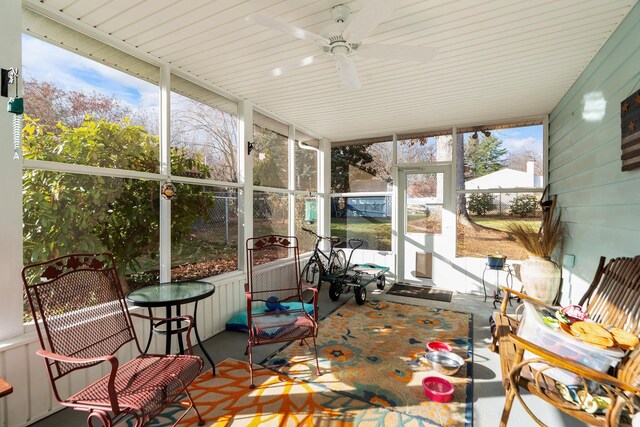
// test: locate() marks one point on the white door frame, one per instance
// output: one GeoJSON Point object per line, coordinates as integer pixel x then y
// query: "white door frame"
{"type": "Point", "coordinates": [444, 243]}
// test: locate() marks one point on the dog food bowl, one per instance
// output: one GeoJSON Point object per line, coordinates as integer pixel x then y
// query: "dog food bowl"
{"type": "Point", "coordinates": [437, 389]}
{"type": "Point", "coordinates": [445, 362]}
{"type": "Point", "coordinates": [438, 346]}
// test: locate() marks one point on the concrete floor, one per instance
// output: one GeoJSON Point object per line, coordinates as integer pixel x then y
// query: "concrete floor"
{"type": "Point", "coordinates": [488, 393]}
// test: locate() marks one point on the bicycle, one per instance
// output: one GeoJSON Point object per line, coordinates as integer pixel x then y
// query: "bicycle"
{"type": "Point", "coordinates": [320, 264]}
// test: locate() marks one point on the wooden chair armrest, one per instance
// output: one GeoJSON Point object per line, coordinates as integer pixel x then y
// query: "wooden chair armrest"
{"type": "Point", "coordinates": [503, 307]}
{"type": "Point", "coordinates": [113, 361]}
{"type": "Point", "coordinates": [567, 364]}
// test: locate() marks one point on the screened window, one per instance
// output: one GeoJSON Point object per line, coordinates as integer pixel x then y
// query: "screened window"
{"type": "Point", "coordinates": [204, 231]}
{"type": "Point", "coordinates": [503, 184]}
{"type": "Point", "coordinates": [362, 168]}
{"type": "Point", "coordinates": [270, 153]}
{"type": "Point", "coordinates": [424, 148]}
{"type": "Point", "coordinates": [270, 213]}
{"type": "Point", "coordinates": [83, 112]}
{"type": "Point", "coordinates": [203, 132]}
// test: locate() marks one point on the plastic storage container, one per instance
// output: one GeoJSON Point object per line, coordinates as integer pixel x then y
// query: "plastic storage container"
{"type": "Point", "coordinates": [533, 329]}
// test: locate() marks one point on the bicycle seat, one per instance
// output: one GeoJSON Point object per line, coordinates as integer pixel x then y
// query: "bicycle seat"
{"type": "Point", "coordinates": [334, 239]}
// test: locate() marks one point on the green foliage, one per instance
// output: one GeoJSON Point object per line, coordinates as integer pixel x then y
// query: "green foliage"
{"type": "Point", "coordinates": [480, 203]}
{"type": "Point", "coordinates": [524, 205]}
{"type": "Point", "coordinates": [65, 212]}
{"type": "Point", "coordinates": [484, 155]}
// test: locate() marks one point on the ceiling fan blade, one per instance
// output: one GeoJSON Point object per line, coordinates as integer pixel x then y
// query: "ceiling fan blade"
{"type": "Point", "coordinates": [367, 19]}
{"type": "Point", "coordinates": [398, 52]}
{"type": "Point", "coordinates": [309, 60]}
{"type": "Point", "coordinates": [267, 21]}
{"type": "Point", "coordinates": [347, 71]}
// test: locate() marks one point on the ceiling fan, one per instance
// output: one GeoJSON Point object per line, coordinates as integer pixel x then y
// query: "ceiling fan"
{"type": "Point", "coordinates": [343, 40]}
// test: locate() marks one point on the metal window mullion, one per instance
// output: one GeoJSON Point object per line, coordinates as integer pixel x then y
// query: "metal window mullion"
{"type": "Point", "coordinates": [165, 170]}
{"type": "Point", "coordinates": [291, 142]}
{"type": "Point", "coordinates": [245, 179]}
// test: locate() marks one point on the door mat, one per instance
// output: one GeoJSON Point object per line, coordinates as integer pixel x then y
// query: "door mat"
{"type": "Point", "coordinates": [422, 292]}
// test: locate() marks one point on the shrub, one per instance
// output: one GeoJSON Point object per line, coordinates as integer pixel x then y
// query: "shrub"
{"type": "Point", "coordinates": [480, 203]}
{"type": "Point", "coordinates": [524, 205]}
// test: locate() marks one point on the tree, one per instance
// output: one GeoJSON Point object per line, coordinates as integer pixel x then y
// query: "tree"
{"type": "Point", "coordinates": [65, 212]}
{"type": "Point", "coordinates": [208, 132]}
{"type": "Point", "coordinates": [484, 155]}
{"type": "Point", "coordinates": [348, 159]}
{"type": "Point", "coordinates": [52, 105]}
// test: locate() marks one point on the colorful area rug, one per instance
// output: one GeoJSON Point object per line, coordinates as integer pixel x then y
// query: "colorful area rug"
{"type": "Point", "coordinates": [422, 292]}
{"type": "Point", "coordinates": [371, 353]}
{"type": "Point", "coordinates": [277, 400]}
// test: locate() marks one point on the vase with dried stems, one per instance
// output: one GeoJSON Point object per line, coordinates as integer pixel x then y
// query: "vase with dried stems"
{"type": "Point", "coordinates": [539, 273]}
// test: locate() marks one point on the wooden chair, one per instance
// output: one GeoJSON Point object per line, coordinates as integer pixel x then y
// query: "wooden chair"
{"type": "Point", "coordinates": [82, 319]}
{"type": "Point", "coordinates": [274, 282]}
{"type": "Point", "coordinates": [613, 299]}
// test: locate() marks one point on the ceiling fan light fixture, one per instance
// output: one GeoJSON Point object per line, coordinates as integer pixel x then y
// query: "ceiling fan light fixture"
{"type": "Point", "coordinates": [340, 13]}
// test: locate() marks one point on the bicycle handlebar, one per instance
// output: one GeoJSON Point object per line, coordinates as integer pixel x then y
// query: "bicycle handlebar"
{"type": "Point", "coordinates": [332, 239]}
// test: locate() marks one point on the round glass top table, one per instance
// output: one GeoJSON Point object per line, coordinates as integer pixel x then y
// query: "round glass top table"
{"type": "Point", "coordinates": [171, 294]}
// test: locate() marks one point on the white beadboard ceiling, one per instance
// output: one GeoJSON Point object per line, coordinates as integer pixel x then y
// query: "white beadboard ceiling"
{"type": "Point", "coordinates": [498, 59]}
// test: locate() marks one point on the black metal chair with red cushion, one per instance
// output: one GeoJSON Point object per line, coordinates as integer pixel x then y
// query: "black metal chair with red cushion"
{"type": "Point", "coordinates": [82, 319]}
{"type": "Point", "coordinates": [274, 282]}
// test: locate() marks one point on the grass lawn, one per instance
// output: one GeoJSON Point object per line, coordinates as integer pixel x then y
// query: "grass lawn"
{"type": "Point", "coordinates": [502, 223]}
{"type": "Point", "coordinates": [376, 232]}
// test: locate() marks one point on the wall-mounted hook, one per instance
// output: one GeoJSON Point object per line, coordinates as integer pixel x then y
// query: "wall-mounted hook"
{"type": "Point", "coordinates": [250, 147]}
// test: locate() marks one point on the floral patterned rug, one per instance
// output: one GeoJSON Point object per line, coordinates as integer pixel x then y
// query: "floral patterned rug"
{"type": "Point", "coordinates": [277, 400]}
{"type": "Point", "coordinates": [371, 353]}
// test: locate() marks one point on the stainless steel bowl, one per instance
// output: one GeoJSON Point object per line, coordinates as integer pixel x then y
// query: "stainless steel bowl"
{"type": "Point", "coordinates": [445, 362]}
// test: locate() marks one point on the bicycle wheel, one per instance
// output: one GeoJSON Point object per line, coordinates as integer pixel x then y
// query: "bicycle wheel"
{"type": "Point", "coordinates": [339, 261]}
{"type": "Point", "coordinates": [312, 274]}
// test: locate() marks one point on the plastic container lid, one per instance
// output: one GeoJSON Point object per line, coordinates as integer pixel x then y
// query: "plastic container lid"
{"type": "Point", "coordinates": [438, 346]}
{"type": "Point", "coordinates": [438, 389]}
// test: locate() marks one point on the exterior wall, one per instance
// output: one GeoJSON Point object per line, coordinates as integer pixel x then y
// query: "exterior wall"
{"type": "Point", "coordinates": [32, 398]}
{"type": "Point", "coordinates": [599, 203]}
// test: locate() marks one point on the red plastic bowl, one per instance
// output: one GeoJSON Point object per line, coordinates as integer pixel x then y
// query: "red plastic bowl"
{"type": "Point", "coordinates": [438, 346]}
{"type": "Point", "coordinates": [437, 389]}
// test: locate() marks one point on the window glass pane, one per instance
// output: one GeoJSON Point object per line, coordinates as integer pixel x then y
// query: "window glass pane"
{"type": "Point", "coordinates": [424, 203]}
{"type": "Point", "coordinates": [270, 213]}
{"type": "Point", "coordinates": [307, 217]}
{"type": "Point", "coordinates": [306, 162]}
{"type": "Point", "coordinates": [204, 136]}
{"type": "Point", "coordinates": [204, 231]}
{"type": "Point", "coordinates": [270, 158]}
{"type": "Point", "coordinates": [66, 213]}
{"type": "Point", "coordinates": [498, 159]}
{"type": "Point", "coordinates": [425, 149]}
{"type": "Point", "coordinates": [503, 158]}
{"type": "Point", "coordinates": [87, 113]}
{"type": "Point", "coordinates": [362, 168]}
{"type": "Point", "coordinates": [484, 230]}
{"type": "Point", "coordinates": [367, 218]}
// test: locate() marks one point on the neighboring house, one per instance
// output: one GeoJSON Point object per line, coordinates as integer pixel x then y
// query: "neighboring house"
{"type": "Point", "coordinates": [506, 178]}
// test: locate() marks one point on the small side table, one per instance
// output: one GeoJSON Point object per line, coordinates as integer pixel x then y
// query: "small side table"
{"type": "Point", "coordinates": [5, 388]}
{"type": "Point", "coordinates": [171, 294]}
{"type": "Point", "coordinates": [509, 280]}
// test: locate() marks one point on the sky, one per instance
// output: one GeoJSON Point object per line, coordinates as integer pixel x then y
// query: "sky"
{"type": "Point", "coordinates": [45, 62]}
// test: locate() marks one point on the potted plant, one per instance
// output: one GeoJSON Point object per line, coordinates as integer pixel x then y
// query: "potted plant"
{"type": "Point", "coordinates": [540, 275]}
